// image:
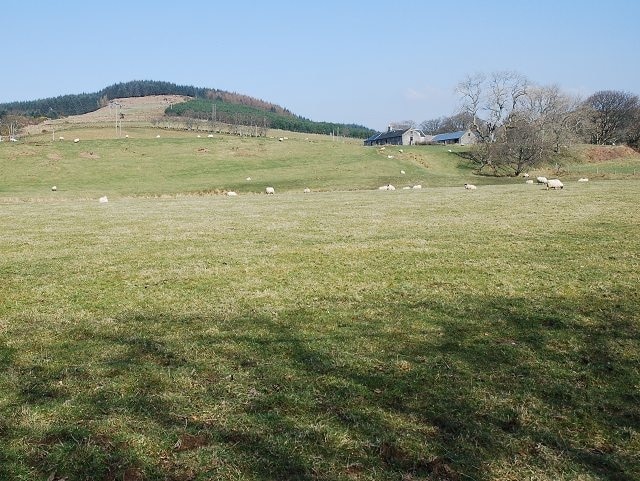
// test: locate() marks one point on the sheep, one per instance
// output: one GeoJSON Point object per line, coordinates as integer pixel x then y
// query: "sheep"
{"type": "Point", "coordinates": [400, 150]}
{"type": "Point", "coordinates": [270, 190]}
{"type": "Point", "coordinates": [525, 175]}
{"type": "Point", "coordinates": [232, 194]}
{"type": "Point", "coordinates": [389, 156]}
{"type": "Point", "coordinates": [554, 184]}
{"type": "Point", "coordinates": [54, 188]}
{"type": "Point", "coordinates": [307, 190]}
{"type": "Point", "coordinates": [390, 187]}
{"type": "Point", "coordinates": [541, 180]}
{"type": "Point", "coordinates": [407, 187]}
{"type": "Point", "coordinates": [280, 139]}
{"type": "Point", "coordinates": [75, 141]}
{"type": "Point", "coordinates": [158, 136]}
{"type": "Point", "coordinates": [210, 136]}
{"type": "Point", "coordinates": [583, 179]}
{"type": "Point", "coordinates": [529, 181]}
{"type": "Point", "coordinates": [103, 199]}
{"type": "Point", "coordinates": [417, 186]}
{"type": "Point", "coordinates": [61, 138]}
{"type": "Point", "coordinates": [387, 187]}
{"type": "Point", "coordinates": [248, 179]}
{"type": "Point", "coordinates": [402, 172]}
{"type": "Point", "coordinates": [470, 187]}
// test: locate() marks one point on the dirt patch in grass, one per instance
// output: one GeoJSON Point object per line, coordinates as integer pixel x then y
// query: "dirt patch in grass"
{"type": "Point", "coordinates": [54, 157]}
{"type": "Point", "coordinates": [89, 155]}
{"type": "Point", "coordinates": [603, 153]}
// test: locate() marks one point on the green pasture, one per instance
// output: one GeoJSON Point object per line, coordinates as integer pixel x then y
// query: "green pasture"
{"type": "Point", "coordinates": [347, 334]}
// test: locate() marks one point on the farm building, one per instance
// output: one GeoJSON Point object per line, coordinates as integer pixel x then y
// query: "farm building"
{"type": "Point", "coordinates": [408, 136]}
{"type": "Point", "coordinates": [462, 137]}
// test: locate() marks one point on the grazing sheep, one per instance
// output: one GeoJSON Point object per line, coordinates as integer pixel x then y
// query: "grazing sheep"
{"type": "Point", "coordinates": [307, 190]}
{"type": "Point", "coordinates": [390, 187]}
{"type": "Point", "coordinates": [387, 187]}
{"type": "Point", "coordinates": [418, 186]}
{"type": "Point", "coordinates": [75, 141]}
{"type": "Point", "coordinates": [61, 138]}
{"type": "Point", "coordinates": [402, 172]}
{"type": "Point", "coordinates": [530, 181]}
{"type": "Point", "coordinates": [270, 190]}
{"type": "Point", "coordinates": [541, 180]}
{"type": "Point", "coordinates": [554, 184]}
{"type": "Point", "coordinates": [470, 187]}
{"type": "Point", "coordinates": [583, 179]}
{"type": "Point", "coordinates": [389, 156]}
{"type": "Point", "coordinates": [210, 136]}
{"type": "Point", "coordinates": [158, 136]}
{"type": "Point", "coordinates": [232, 194]}
{"type": "Point", "coordinates": [248, 179]}
{"type": "Point", "coordinates": [54, 188]}
{"type": "Point", "coordinates": [400, 150]}
{"type": "Point", "coordinates": [103, 199]}
{"type": "Point", "coordinates": [525, 175]}
{"type": "Point", "coordinates": [280, 139]}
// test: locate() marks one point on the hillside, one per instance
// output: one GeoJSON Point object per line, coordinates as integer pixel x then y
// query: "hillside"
{"type": "Point", "coordinates": [232, 107]}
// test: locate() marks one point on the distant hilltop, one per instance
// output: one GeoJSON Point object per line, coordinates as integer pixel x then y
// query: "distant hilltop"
{"type": "Point", "coordinates": [201, 103]}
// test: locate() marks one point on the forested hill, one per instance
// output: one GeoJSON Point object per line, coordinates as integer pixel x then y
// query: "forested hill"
{"type": "Point", "coordinates": [229, 107]}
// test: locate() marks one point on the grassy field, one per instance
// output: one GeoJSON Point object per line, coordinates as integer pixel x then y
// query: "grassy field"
{"type": "Point", "coordinates": [432, 334]}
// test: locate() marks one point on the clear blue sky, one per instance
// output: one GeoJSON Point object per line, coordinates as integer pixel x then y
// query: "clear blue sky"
{"type": "Point", "coordinates": [366, 62]}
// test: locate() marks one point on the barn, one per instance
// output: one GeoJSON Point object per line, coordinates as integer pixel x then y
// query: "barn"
{"type": "Point", "coordinates": [461, 137]}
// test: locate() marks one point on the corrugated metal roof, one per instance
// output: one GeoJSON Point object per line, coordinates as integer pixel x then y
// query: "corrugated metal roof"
{"type": "Point", "coordinates": [448, 136]}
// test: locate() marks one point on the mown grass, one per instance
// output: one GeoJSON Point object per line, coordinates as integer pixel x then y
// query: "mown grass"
{"type": "Point", "coordinates": [417, 335]}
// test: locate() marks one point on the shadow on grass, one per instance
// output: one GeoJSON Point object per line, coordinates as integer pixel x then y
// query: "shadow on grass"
{"type": "Point", "coordinates": [416, 389]}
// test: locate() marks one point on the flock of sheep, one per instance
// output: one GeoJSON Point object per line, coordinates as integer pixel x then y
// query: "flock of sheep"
{"type": "Point", "coordinates": [550, 183]}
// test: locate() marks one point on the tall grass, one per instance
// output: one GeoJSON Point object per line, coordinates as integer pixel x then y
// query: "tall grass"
{"type": "Point", "coordinates": [436, 334]}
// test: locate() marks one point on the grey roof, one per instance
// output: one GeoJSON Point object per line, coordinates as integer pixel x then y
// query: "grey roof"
{"type": "Point", "coordinates": [448, 136]}
{"type": "Point", "coordinates": [391, 134]}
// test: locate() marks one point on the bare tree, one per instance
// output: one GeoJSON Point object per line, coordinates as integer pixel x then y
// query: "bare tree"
{"type": "Point", "coordinates": [609, 116]}
{"type": "Point", "coordinates": [490, 102]}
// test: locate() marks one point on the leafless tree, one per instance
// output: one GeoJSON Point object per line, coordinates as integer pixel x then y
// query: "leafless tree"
{"type": "Point", "coordinates": [609, 116]}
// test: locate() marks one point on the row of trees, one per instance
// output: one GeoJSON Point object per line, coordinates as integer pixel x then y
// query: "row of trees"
{"type": "Point", "coordinates": [519, 124]}
{"type": "Point", "coordinates": [260, 116]}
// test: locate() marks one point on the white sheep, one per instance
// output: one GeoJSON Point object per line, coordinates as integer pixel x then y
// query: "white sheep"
{"type": "Point", "coordinates": [583, 179]}
{"type": "Point", "coordinates": [406, 187]}
{"type": "Point", "coordinates": [389, 156]}
{"type": "Point", "coordinates": [402, 172]}
{"type": "Point", "coordinates": [400, 150]}
{"type": "Point", "coordinates": [75, 141]}
{"type": "Point", "coordinates": [386, 187]}
{"type": "Point", "coordinates": [470, 187]}
{"type": "Point", "coordinates": [307, 190]}
{"type": "Point", "coordinates": [390, 187]}
{"type": "Point", "coordinates": [158, 136]}
{"type": "Point", "coordinates": [210, 136]}
{"type": "Point", "coordinates": [529, 181]}
{"type": "Point", "coordinates": [61, 138]}
{"type": "Point", "coordinates": [232, 194]}
{"type": "Point", "coordinates": [417, 186]}
{"type": "Point", "coordinates": [103, 199]}
{"type": "Point", "coordinates": [270, 190]}
{"type": "Point", "coordinates": [554, 184]}
{"type": "Point", "coordinates": [248, 179]}
{"type": "Point", "coordinates": [541, 180]}
{"type": "Point", "coordinates": [525, 175]}
{"type": "Point", "coordinates": [54, 188]}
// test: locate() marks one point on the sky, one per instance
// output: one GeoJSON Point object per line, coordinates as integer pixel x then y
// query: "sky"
{"type": "Point", "coordinates": [365, 62]}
